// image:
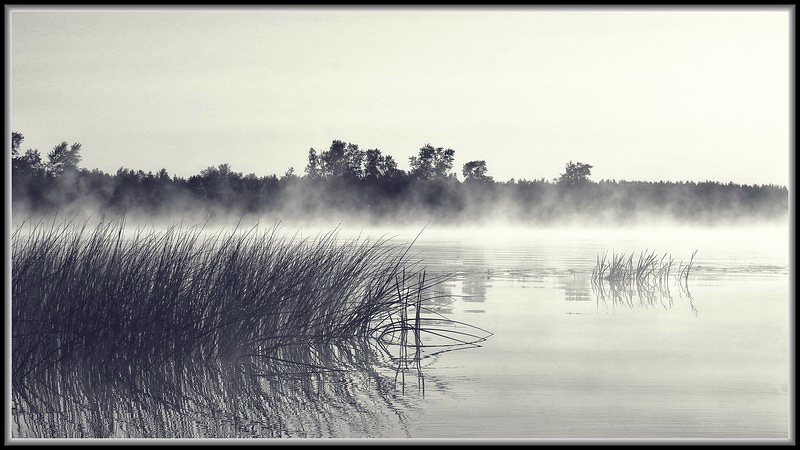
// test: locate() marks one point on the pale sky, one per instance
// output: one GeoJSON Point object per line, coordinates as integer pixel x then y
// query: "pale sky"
{"type": "Point", "coordinates": [643, 94]}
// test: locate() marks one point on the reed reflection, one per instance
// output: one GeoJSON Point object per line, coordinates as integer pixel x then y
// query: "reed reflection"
{"type": "Point", "coordinates": [621, 281]}
{"type": "Point", "coordinates": [356, 389]}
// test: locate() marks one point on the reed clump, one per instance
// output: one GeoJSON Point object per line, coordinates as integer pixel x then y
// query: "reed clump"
{"type": "Point", "coordinates": [649, 270]}
{"type": "Point", "coordinates": [620, 278]}
{"type": "Point", "coordinates": [131, 301]}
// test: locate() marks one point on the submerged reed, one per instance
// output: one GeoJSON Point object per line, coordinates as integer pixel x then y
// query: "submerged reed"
{"type": "Point", "coordinates": [131, 302]}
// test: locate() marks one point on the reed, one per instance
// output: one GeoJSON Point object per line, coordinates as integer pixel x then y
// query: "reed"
{"type": "Point", "coordinates": [121, 301]}
{"type": "Point", "coordinates": [648, 271]}
{"type": "Point", "coordinates": [620, 279]}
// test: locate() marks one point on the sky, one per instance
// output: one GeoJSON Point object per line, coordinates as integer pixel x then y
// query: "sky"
{"type": "Point", "coordinates": [640, 94]}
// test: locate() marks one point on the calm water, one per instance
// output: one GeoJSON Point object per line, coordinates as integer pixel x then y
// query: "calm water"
{"type": "Point", "coordinates": [563, 360]}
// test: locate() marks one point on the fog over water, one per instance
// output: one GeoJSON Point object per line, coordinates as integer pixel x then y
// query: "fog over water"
{"type": "Point", "coordinates": [561, 354]}
{"type": "Point", "coordinates": [708, 359]}
{"type": "Point", "coordinates": [431, 223]}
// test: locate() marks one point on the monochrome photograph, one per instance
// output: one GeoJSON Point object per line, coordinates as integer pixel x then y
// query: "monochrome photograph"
{"type": "Point", "coordinates": [399, 224]}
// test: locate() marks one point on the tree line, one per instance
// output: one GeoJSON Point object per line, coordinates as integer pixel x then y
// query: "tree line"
{"type": "Point", "coordinates": [368, 183]}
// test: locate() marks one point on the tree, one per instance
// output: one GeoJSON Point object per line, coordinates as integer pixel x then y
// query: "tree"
{"type": "Point", "coordinates": [16, 142]}
{"type": "Point", "coordinates": [372, 163]}
{"type": "Point", "coordinates": [163, 176]}
{"type": "Point", "coordinates": [432, 163]}
{"type": "Point", "coordinates": [354, 162]}
{"type": "Point", "coordinates": [217, 183]}
{"type": "Point", "coordinates": [575, 174]}
{"type": "Point", "coordinates": [29, 182]}
{"type": "Point", "coordinates": [289, 174]}
{"type": "Point", "coordinates": [63, 159]}
{"type": "Point", "coordinates": [27, 164]}
{"type": "Point", "coordinates": [390, 169]}
{"type": "Point", "coordinates": [332, 160]}
{"type": "Point", "coordinates": [342, 161]}
{"type": "Point", "coordinates": [378, 166]}
{"type": "Point", "coordinates": [475, 171]}
{"type": "Point", "coordinates": [313, 169]}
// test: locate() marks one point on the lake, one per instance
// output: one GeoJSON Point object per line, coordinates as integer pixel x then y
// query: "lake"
{"type": "Point", "coordinates": [564, 359]}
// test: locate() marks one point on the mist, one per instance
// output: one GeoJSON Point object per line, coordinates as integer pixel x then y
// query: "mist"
{"type": "Point", "coordinates": [301, 223]}
{"type": "Point", "coordinates": [349, 186]}
{"type": "Point", "coordinates": [406, 203]}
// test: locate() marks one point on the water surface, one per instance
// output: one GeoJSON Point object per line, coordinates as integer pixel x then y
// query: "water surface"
{"type": "Point", "coordinates": [565, 361]}
{"type": "Point", "coordinates": [707, 360]}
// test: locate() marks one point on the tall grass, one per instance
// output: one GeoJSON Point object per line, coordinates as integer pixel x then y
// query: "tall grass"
{"type": "Point", "coordinates": [122, 301]}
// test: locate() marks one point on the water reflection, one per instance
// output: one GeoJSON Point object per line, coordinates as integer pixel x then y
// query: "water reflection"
{"type": "Point", "coordinates": [361, 388]}
{"type": "Point", "coordinates": [474, 286]}
{"type": "Point", "coordinates": [567, 361]}
{"type": "Point", "coordinates": [641, 294]}
{"type": "Point", "coordinates": [443, 295]}
{"type": "Point", "coordinates": [576, 287]}
{"type": "Point", "coordinates": [547, 373]}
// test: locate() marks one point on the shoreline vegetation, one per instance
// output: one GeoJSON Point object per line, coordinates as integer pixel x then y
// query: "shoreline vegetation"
{"type": "Point", "coordinates": [346, 181]}
{"type": "Point", "coordinates": [132, 302]}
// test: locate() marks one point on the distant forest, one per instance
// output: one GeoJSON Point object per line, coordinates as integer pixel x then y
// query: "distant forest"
{"type": "Point", "coordinates": [367, 184]}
